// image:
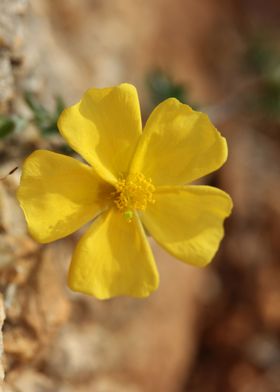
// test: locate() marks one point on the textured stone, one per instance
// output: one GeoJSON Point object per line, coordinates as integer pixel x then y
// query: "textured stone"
{"type": "Point", "coordinates": [2, 317]}
{"type": "Point", "coordinates": [11, 42]}
{"type": "Point", "coordinates": [6, 81]}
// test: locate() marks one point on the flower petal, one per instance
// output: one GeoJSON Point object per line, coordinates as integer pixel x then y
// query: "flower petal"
{"type": "Point", "coordinates": [104, 128]}
{"type": "Point", "coordinates": [178, 145]}
{"type": "Point", "coordinates": [188, 221]}
{"type": "Point", "coordinates": [113, 258]}
{"type": "Point", "coordinates": [58, 195]}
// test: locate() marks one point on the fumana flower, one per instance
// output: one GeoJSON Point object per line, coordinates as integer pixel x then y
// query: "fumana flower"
{"type": "Point", "coordinates": [132, 180]}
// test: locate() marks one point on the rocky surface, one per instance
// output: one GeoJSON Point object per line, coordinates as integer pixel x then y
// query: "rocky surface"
{"type": "Point", "coordinates": [203, 331]}
{"type": "Point", "coordinates": [54, 339]}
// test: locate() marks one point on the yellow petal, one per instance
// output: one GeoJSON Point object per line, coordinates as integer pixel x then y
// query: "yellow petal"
{"type": "Point", "coordinates": [58, 195]}
{"type": "Point", "coordinates": [178, 145]}
{"type": "Point", "coordinates": [188, 221]}
{"type": "Point", "coordinates": [104, 128]}
{"type": "Point", "coordinates": [113, 258]}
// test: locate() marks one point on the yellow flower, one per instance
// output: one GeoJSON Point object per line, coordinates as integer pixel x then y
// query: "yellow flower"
{"type": "Point", "coordinates": [133, 180]}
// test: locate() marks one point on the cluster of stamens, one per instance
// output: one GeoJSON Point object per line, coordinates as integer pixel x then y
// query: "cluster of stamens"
{"type": "Point", "coordinates": [133, 193]}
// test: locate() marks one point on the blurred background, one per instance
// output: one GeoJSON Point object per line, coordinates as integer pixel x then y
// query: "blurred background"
{"type": "Point", "coordinates": [210, 330]}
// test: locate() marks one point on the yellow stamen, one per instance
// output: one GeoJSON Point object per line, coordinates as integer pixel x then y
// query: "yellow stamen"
{"type": "Point", "coordinates": [133, 193]}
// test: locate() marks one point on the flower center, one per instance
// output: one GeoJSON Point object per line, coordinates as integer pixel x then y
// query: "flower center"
{"type": "Point", "coordinates": [133, 193]}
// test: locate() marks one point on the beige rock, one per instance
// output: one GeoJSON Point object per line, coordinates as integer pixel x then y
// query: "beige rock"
{"type": "Point", "coordinates": [31, 381]}
{"type": "Point", "coordinates": [123, 344]}
{"type": "Point", "coordinates": [146, 342]}
{"type": "Point", "coordinates": [11, 40]}
{"type": "Point", "coordinates": [6, 81]}
{"type": "Point", "coordinates": [2, 317]}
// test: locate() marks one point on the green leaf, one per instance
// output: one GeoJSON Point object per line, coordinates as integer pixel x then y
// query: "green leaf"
{"type": "Point", "coordinates": [59, 106]}
{"type": "Point", "coordinates": [162, 87]}
{"type": "Point", "coordinates": [45, 120]}
{"type": "Point", "coordinates": [7, 126]}
{"type": "Point", "coordinates": [40, 113]}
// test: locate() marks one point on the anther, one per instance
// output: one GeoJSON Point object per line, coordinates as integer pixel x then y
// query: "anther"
{"type": "Point", "coordinates": [133, 193]}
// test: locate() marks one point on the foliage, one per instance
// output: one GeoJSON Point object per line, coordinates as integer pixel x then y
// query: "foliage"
{"type": "Point", "coordinates": [10, 124]}
{"type": "Point", "coordinates": [45, 120]}
{"type": "Point", "coordinates": [161, 87]}
{"type": "Point", "coordinates": [263, 59]}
